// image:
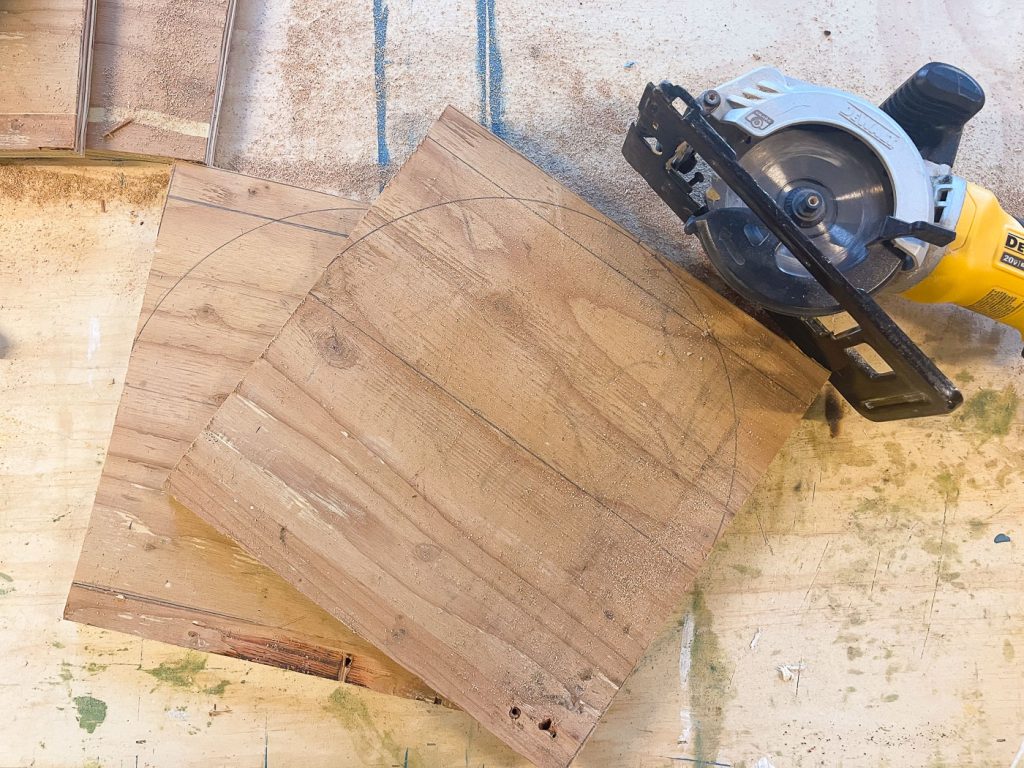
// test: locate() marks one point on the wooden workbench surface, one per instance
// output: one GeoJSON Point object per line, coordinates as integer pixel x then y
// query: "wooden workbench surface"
{"type": "Point", "coordinates": [858, 609]}
{"type": "Point", "coordinates": [866, 567]}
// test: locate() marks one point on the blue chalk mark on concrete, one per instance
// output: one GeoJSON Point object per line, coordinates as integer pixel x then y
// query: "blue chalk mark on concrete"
{"type": "Point", "coordinates": [380, 85]}
{"type": "Point", "coordinates": [489, 70]}
{"type": "Point", "coordinates": [481, 56]}
{"type": "Point", "coordinates": [1002, 538]}
{"type": "Point", "coordinates": [629, 65]}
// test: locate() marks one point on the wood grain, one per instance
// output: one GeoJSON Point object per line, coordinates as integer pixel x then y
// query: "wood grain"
{"type": "Point", "coordinates": [41, 52]}
{"type": "Point", "coordinates": [234, 257]}
{"type": "Point", "coordinates": [498, 439]}
{"type": "Point", "coordinates": [156, 76]}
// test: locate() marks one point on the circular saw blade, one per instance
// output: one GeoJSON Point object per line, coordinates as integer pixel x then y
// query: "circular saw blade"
{"type": "Point", "coordinates": [857, 197]}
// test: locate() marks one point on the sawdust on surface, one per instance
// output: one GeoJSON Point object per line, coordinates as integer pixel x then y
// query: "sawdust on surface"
{"type": "Point", "coordinates": [299, 106]}
{"type": "Point", "coordinates": [298, 102]}
{"type": "Point", "coordinates": [42, 183]}
{"type": "Point", "coordinates": [161, 58]}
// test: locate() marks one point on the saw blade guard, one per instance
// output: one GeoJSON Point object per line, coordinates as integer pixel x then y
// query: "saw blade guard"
{"type": "Point", "coordinates": [838, 191]}
{"type": "Point", "coordinates": [836, 163]}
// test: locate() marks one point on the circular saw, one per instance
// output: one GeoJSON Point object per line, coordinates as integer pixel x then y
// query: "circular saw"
{"type": "Point", "coordinates": [811, 201]}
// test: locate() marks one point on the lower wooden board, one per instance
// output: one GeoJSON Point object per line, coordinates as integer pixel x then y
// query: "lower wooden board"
{"type": "Point", "coordinates": [234, 257]}
{"type": "Point", "coordinates": [42, 46]}
{"type": "Point", "coordinates": [498, 439]}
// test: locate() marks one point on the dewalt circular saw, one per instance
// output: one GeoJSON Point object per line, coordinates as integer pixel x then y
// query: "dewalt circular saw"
{"type": "Point", "coordinates": [810, 201]}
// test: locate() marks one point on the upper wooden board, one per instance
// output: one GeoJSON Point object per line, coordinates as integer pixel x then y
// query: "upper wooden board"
{"type": "Point", "coordinates": [42, 52]}
{"type": "Point", "coordinates": [234, 257]}
{"type": "Point", "coordinates": [157, 75]}
{"type": "Point", "coordinates": [498, 439]}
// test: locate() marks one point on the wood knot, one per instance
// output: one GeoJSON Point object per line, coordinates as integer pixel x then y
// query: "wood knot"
{"type": "Point", "coordinates": [206, 314]}
{"type": "Point", "coordinates": [428, 553]}
{"type": "Point", "coordinates": [337, 351]}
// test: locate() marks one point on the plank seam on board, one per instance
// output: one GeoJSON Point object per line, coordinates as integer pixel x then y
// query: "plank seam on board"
{"type": "Point", "coordinates": [178, 398]}
{"type": "Point", "coordinates": [600, 218]}
{"type": "Point", "coordinates": [221, 247]}
{"type": "Point", "coordinates": [108, 590]}
{"type": "Point", "coordinates": [215, 281]}
{"type": "Point", "coordinates": [313, 294]}
{"type": "Point", "coordinates": [271, 219]}
{"type": "Point", "coordinates": [190, 350]}
{"type": "Point", "coordinates": [493, 426]}
{"type": "Point", "coordinates": [707, 325]}
{"type": "Point", "coordinates": [523, 200]}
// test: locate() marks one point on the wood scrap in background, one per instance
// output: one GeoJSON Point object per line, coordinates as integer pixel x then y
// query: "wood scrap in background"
{"type": "Point", "coordinates": [44, 53]}
{"type": "Point", "coordinates": [235, 255]}
{"type": "Point", "coordinates": [158, 70]}
{"type": "Point", "coordinates": [498, 439]}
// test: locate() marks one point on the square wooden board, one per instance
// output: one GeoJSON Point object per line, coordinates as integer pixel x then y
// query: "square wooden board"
{"type": "Point", "coordinates": [498, 439]}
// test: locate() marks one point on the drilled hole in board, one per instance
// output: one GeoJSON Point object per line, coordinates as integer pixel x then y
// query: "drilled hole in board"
{"type": "Point", "coordinates": [514, 713]}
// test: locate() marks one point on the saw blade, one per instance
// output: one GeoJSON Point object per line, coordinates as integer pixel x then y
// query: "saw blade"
{"type": "Point", "coordinates": [852, 195]}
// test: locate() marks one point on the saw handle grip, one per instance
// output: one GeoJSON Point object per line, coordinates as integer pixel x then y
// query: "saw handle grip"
{"type": "Point", "coordinates": [933, 106]}
{"type": "Point", "coordinates": [983, 269]}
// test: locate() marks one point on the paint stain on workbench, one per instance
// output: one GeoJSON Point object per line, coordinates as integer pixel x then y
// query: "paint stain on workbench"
{"type": "Point", "coordinates": [991, 412]}
{"type": "Point", "coordinates": [5, 584]}
{"type": "Point", "coordinates": [834, 412]}
{"type": "Point", "coordinates": [181, 673]}
{"type": "Point", "coordinates": [218, 689]}
{"type": "Point", "coordinates": [709, 678]}
{"type": "Point", "coordinates": [947, 483]}
{"type": "Point", "coordinates": [91, 712]}
{"type": "Point", "coordinates": [357, 719]}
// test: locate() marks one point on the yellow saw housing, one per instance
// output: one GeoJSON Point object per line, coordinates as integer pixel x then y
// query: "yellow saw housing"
{"type": "Point", "coordinates": [983, 269]}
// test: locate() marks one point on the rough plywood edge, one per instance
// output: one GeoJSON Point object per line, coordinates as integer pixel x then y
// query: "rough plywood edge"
{"type": "Point", "coordinates": [218, 94]}
{"type": "Point", "coordinates": [110, 154]}
{"type": "Point", "coordinates": [239, 638]}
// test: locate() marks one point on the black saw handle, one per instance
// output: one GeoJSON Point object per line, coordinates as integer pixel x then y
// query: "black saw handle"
{"type": "Point", "coordinates": [933, 106]}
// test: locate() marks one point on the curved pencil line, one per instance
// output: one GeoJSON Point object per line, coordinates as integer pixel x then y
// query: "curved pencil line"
{"type": "Point", "coordinates": [609, 225]}
{"type": "Point", "coordinates": [732, 397]}
{"type": "Point", "coordinates": [614, 228]}
{"type": "Point", "coordinates": [223, 245]}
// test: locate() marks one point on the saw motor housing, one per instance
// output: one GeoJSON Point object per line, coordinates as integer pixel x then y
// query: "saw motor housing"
{"type": "Point", "coordinates": [815, 200]}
